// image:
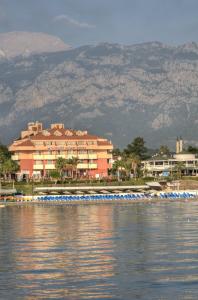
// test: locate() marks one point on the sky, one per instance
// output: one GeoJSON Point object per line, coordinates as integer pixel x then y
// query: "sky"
{"type": "Point", "coordinates": [82, 22]}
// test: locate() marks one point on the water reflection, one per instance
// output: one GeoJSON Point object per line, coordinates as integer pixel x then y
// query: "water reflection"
{"type": "Point", "coordinates": [63, 252]}
{"type": "Point", "coordinates": [100, 251]}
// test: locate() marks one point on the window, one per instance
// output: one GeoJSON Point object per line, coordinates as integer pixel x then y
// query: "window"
{"type": "Point", "coordinates": [172, 162]}
{"type": "Point", "coordinates": [90, 151]}
{"type": "Point", "coordinates": [82, 151]}
{"type": "Point", "coordinates": [159, 163]}
{"type": "Point", "coordinates": [90, 143]}
{"type": "Point", "coordinates": [49, 143]}
{"type": "Point", "coordinates": [80, 143]}
{"type": "Point", "coordinates": [60, 143]}
{"type": "Point", "coordinates": [71, 143]}
{"type": "Point", "coordinates": [38, 143]}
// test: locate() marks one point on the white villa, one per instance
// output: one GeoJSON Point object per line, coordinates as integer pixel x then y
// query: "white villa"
{"type": "Point", "coordinates": [163, 166]}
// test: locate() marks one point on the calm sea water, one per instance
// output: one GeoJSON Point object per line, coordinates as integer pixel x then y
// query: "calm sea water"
{"type": "Point", "coordinates": [140, 251]}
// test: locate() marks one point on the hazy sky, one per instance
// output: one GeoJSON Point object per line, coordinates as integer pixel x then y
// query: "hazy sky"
{"type": "Point", "coordinates": [80, 22]}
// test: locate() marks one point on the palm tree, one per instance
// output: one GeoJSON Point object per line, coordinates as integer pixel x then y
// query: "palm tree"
{"type": "Point", "coordinates": [72, 163]}
{"type": "Point", "coordinates": [133, 162]}
{"type": "Point", "coordinates": [67, 165]}
{"type": "Point", "coordinates": [119, 166]}
{"type": "Point", "coordinates": [178, 168]}
{"type": "Point", "coordinates": [60, 165]}
{"type": "Point", "coordinates": [55, 175]}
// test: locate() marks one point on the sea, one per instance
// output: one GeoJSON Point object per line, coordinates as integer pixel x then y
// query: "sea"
{"type": "Point", "coordinates": [100, 251]}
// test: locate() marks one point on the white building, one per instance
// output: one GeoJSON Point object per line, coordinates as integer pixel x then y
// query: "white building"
{"type": "Point", "coordinates": [160, 166]}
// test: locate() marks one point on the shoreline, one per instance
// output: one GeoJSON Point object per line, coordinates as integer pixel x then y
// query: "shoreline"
{"type": "Point", "coordinates": [99, 202]}
{"type": "Point", "coordinates": [89, 199]}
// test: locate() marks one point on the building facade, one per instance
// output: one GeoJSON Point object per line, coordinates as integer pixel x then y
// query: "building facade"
{"type": "Point", "coordinates": [37, 150]}
{"type": "Point", "coordinates": [188, 164]}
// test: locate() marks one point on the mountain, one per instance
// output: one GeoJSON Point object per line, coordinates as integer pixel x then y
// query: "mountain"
{"type": "Point", "coordinates": [116, 91]}
{"type": "Point", "coordinates": [26, 43]}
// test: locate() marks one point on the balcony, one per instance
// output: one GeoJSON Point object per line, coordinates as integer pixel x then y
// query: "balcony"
{"type": "Point", "coordinates": [87, 166]}
{"type": "Point", "coordinates": [157, 168]}
{"type": "Point", "coordinates": [44, 156]}
{"type": "Point", "coordinates": [105, 155]}
{"type": "Point", "coordinates": [190, 166]}
{"type": "Point", "coordinates": [60, 155]}
{"type": "Point", "coordinates": [93, 166]}
{"type": "Point", "coordinates": [70, 156]}
{"type": "Point", "coordinates": [38, 167]}
{"type": "Point", "coordinates": [87, 156]}
{"type": "Point", "coordinates": [49, 167]}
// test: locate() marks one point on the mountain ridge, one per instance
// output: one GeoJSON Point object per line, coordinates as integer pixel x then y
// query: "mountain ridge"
{"type": "Point", "coordinates": [114, 90]}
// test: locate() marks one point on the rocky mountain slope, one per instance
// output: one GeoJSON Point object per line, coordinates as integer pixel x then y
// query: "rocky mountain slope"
{"type": "Point", "coordinates": [117, 91]}
{"type": "Point", "coordinates": [26, 43]}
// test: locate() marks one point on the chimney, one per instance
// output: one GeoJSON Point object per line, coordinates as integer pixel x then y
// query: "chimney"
{"type": "Point", "coordinates": [57, 126]}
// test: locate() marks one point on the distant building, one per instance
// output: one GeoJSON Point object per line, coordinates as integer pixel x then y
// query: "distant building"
{"type": "Point", "coordinates": [159, 166]}
{"type": "Point", "coordinates": [37, 150]}
{"type": "Point", "coordinates": [165, 166]}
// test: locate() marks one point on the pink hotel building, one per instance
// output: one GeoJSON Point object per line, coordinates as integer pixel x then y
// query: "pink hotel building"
{"type": "Point", "coordinates": [37, 150]}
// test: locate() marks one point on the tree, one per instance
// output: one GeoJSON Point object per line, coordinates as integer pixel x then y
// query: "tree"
{"type": "Point", "coordinates": [119, 168]}
{"type": "Point", "coordinates": [164, 150]}
{"type": "Point", "coordinates": [65, 165]}
{"type": "Point", "coordinates": [178, 168]}
{"type": "Point", "coordinates": [4, 153]}
{"type": "Point", "coordinates": [8, 167]}
{"type": "Point", "coordinates": [72, 163]}
{"type": "Point", "coordinates": [133, 162]}
{"type": "Point", "coordinates": [54, 174]}
{"type": "Point", "coordinates": [137, 147]}
{"type": "Point", "coordinates": [116, 152]}
{"type": "Point", "coordinates": [192, 149]}
{"type": "Point", "coordinates": [60, 165]}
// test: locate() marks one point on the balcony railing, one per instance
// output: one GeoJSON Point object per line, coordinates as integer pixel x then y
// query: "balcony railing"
{"type": "Point", "coordinates": [38, 167]}
{"type": "Point", "coordinates": [87, 166]}
{"type": "Point", "coordinates": [44, 156]}
{"type": "Point", "coordinates": [49, 167]}
{"type": "Point", "coordinates": [87, 156]}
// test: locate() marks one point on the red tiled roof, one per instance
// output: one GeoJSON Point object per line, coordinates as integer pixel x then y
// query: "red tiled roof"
{"type": "Point", "coordinates": [26, 143]}
{"type": "Point", "coordinates": [52, 135]}
{"type": "Point", "coordinates": [61, 134]}
{"type": "Point", "coordinates": [104, 143]}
